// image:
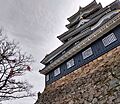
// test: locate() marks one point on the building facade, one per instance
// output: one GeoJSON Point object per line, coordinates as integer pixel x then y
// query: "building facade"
{"type": "Point", "coordinates": [92, 32]}
{"type": "Point", "coordinates": [91, 43]}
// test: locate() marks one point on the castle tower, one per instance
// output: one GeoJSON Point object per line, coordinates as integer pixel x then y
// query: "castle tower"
{"type": "Point", "coordinates": [85, 69]}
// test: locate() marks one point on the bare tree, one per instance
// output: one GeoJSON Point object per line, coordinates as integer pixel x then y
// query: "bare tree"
{"type": "Point", "coordinates": [13, 64]}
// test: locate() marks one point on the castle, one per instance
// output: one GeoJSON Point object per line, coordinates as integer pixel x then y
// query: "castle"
{"type": "Point", "coordinates": [85, 68]}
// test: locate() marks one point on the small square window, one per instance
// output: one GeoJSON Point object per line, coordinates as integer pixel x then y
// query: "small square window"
{"type": "Point", "coordinates": [109, 39]}
{"type": "Point", "coordinates": [47, 77]}
{"type": "Point", "coordinates": [87, 53]}
{"type": "Point", "coordinates": [70, 63]}
{"type": "Point", "coordinates": [56, 71]}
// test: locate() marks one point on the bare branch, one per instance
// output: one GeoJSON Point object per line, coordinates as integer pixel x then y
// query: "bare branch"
{"type": "Point", "coordinates": [13, 63]}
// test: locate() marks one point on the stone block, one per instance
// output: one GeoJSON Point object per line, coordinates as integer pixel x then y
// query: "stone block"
{"type": "Point", "coordinates": [90, 84]}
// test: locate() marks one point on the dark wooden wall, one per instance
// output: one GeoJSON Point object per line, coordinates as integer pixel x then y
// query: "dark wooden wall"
{"type": "Point", "coordinates": [98, 50]}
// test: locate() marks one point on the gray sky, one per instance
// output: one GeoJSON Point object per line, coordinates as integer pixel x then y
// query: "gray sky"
{"type": "Point", "coordinates": [36, 24]}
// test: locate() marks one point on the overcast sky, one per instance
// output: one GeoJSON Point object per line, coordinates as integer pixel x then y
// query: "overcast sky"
{"type": "Point", "coordinates": [36, 24]}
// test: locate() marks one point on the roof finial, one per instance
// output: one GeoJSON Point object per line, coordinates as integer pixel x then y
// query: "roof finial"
{"type": "Point", "coordinates": [80, 7]}
{"type": "Point", "coordinates": [80, 12]}
{"type": "Point", "coordinates": [94, 1]}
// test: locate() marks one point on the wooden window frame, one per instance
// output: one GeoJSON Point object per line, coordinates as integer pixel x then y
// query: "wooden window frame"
{"type": "Point", "coordinates": [57, 71]}
{"type": "Point", "coordinates": [111, 38]}
{"type": "Point", "coordinates": [87, 53]}
{"type": "Point", "coordinates": [70, 63]}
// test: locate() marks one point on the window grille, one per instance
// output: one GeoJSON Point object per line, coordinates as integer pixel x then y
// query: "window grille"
{"type": "Point", "coordinates": [70, 63]}
{"type": "Point", "coordinates": [56, 71]}
{"type": "Point", "coordinates": [87, 53]}
{"type": "Point", "coordinates": [47, 77]}
{"type": "Point", "coordinates": [109, 39]}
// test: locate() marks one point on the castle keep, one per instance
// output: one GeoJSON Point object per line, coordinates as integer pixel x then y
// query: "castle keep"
{"type": "Point", "coordinates": [85, 69]}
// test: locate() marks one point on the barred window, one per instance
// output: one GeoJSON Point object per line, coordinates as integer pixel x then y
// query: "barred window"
{"type": "Point", "coordinates": [47, 77]}
{"type": "Point", "coordinates": [87, 53]}
{"type": "Point", "coordinates": [109, 39]}
{"type": "Point", "coordinates": [56, 71]}
{"type": "Point", "coordinates": [70, 63]}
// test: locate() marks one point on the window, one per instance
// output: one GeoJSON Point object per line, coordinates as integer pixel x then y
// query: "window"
{"type": "Point", "coordinates": [88, 52]}
{"type": "Point", "coordinates": [70, 63]}
{"type": "Point", "coordinates": [47, 77]}
{"type": "Point", "coordinates": [56, 71]}
{"type": "Point", "coordinates": [109, 39]}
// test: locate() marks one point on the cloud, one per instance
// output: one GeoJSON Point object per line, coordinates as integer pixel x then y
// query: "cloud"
{"type": "Point", "coordinates": [36, 24]}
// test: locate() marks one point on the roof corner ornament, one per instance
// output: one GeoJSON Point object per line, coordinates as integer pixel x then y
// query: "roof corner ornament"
{"type": "Point", "coordinates": [94, 1]}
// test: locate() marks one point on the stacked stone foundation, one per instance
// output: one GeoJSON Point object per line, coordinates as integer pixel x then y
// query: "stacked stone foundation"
{"type": "Point", "coordinates": [98, 82]}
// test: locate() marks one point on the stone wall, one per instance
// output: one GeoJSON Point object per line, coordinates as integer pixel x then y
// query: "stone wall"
{"type": "Point", "coordinates": [98, 82]}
